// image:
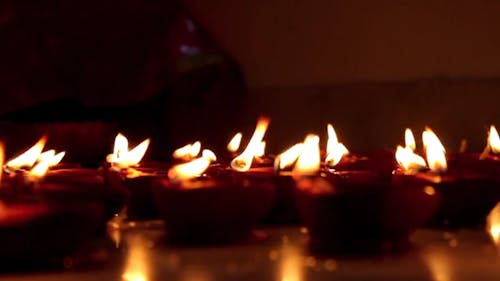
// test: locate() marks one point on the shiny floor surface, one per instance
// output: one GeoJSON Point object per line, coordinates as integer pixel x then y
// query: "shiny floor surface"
{"type": "Point", "coordinates": [281, 254]}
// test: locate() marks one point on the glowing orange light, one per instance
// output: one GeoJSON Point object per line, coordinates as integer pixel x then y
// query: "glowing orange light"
{"type": "Point", "coordinates": [493, 225]}
{"type": "Point", "coordinates": [287, 158]}
{"type": "Point", "coordinates": [410, 139]}
{"type": "Point", "coordinates": [494, 140]}
{"type": "Point", "coordinates": [434, 151]}
{"type": "Point", "coordinates": [334, 149]}
{"type": "Point", "coordinates": [261, 151]}
{"type": "Point", "coordinates": [243, 162]}
{"type": "Point", "coordinates": [29, 157]}
{"type": "Point", "coordinates": [235, 142]}
{"type": "Point", "coordinates": [189, 170]}
{"type": "Point", "coordinates": [2, 159]}
{"type": "Point", "coordinates": [122, 157]}
{"type": "Point", "coordinates": [188, 152]}
{"type": "Point", "coordinates": [309, 160]}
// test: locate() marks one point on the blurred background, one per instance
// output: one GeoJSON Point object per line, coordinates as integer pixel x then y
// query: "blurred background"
{"type": "Point", "coordinates": [179, 71]}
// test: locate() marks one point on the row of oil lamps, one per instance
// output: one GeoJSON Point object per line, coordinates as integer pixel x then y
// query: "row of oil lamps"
{"type": "Point", "coordinates": [349, 202]}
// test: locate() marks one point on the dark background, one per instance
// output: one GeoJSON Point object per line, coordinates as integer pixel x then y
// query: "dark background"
{"type": "Point", "coordinates": [371, 68]}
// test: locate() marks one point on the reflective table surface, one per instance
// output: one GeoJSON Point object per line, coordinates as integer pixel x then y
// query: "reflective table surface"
{"type": "Point", "coordinates": [281, 253]}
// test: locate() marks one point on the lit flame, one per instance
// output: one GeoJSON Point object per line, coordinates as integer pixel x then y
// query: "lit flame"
{"type": "Point", "coordinates": [46, 160]}
{"type": "Point", "coordinates": [29, 157]}
{"type": "Point", "coordinates": [286, 159]}
{"type": "Point", "coordinates": [235, 142]}
{"type": "Point", "coordinates": [51, 157]}
{"type": "Point", "coordinates": [209, 154]}
{"type": "Point", "coordinates": [262, 149]}
{"type": "Point", "coordinates": [188, 152]}
{"type": "Point", "coordinates": [434, 151]}
{"type": "Point", "coordinates": [122, 157]}
{"type": "Point", "coordinates": [309, 160]}
{"type": "Point", "coordinates": [243, 162]}
{"type": "Point", "coordinates": [406, 157]}
{"type": "Point", "coordinates": [410, 140]}
{"type": "Point", "coordinates": [2, 159]}
{"type": "Point", "coordinates": [494, 140]}
{"type": "Point", "coordinates": [494, 225]}
{"type": "Point", "coordinates": [189, 170]}
{"type": "Point", "coordinates": [408, 160]}
{"type": "Point", "coordinates": [334, 150]}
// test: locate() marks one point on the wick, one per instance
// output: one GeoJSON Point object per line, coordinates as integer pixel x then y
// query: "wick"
{"type": "Point", "coordinates": [463, 146]}
{"type": "Point", "coordinates": [486, 152]}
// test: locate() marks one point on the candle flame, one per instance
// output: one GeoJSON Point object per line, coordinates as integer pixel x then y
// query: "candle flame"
{"type": "Point", "coordinates": [209, 154]}
{"type": "Point", "coordinates": [494, 140]}
{"type": "Point", "coordinates": [261, 151]}
{"type": "Point", "coordinates": [235, 142]}
{"type": "Point", "coordinates": [2, 160]}
{"type": "Point", "coordinates": [46, 160]}
{"type": "Point", "coordinates": [406, 157]}
{"type": "Point", "coordinates": [434, 151]}
{"type": "Point", "coordinates": [408, 160]}
{"type": "Point", "coordinates": [334, 149]}
{"type": "Point", "coordinates": [29, 157]}
{"type": "Point", "coordinates": [189, 170]}
{"type": "Point", "coordinates": [410, 139]}
{"type": "Point", "coordinates": [188, 152]}
{"type": "Point", "coordinates": [309, 161]}
{"type": "Point", "coordinates": [243, 162]}
{"type": "Point", "coordinates": [287, 158]}
{"type": "Point", "coordinates": [122, 157]}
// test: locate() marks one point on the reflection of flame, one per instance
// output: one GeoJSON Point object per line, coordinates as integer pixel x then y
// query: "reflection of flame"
{"type": "Point", "coordinates": [287, 158]}
{"type": "Point", "coordinates": [188, 152]}
{"type": "Point", "coordinates": [334, 149]}
{"type": "Point", "coordinates": [494, 225]}
{"type": "Point", "coordinates": [494, 140]}
{"type": "Point", "coordinates": [136, 268]}
{"type": "Point", "coordinates": [243, 162]}
{"type": "Point", "coordinates": [189, 170]}
{"type": "Point", "coordinates": [29, 157]}
{"type": "Point", "coordinates": [434, 151]}
{"type": "Point", "coordinates": [122, 157]}
{"type": "Point", "coordinates": [309, 160]}
{"type": "Point", "coordinates": [439, 264]}
{"type": "Point", "coordinates": [234, 144]}
{"type": "Point", "coordinates": [291, 264]}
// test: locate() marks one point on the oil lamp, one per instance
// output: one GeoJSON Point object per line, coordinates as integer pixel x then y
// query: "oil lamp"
{"type": "Point", "coordinates": [467, 193]}
{"type": "Point", "coordinates": [198, 207]}
{"type": "Point", "coordinates": [351, 211]}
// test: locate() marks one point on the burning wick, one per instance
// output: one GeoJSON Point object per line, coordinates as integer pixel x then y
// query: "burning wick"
{"type": "Point", "coordinates": [243, 162]}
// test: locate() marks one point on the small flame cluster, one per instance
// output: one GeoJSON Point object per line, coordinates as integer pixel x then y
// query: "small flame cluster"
{"type": "Point", "coordinates": [303, 158]}
{"type": "Point", "coordinates": [434, 150]}
{"type": "Point", "coordinates": [34, 160]}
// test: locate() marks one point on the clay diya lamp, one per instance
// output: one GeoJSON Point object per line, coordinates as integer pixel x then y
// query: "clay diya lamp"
{"type": "Point", "coordinates": [466, 194]}
{"type": "Point", "coordinates": [357, 211]}
{"type": "Point", "coordinates": [486, 162]}
{"type": "Point", "coordinates": [338, 158]}
{"type": "Point", "coordinates": [34, 233]}
{"type": "Point", "coordinates": [123, 170]}
{"type": "Point", "coordinates": [198, 208]}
